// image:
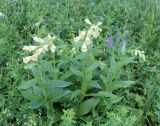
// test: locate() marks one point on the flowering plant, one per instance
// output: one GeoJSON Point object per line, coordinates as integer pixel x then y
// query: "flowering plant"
{"type": "Point", "coordinates": [83, 81]}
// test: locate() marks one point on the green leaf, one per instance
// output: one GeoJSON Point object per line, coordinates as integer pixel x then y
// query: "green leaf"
{"type": "Point", "coordinates": [57, 83]}
{"type": "Point", "coordinates": [56, 93]}
{"type": "Point", "coordinates": [103, 78]}
{"type": "Point", "coordinates": [94, 65]}
{"type": "Point", "coordinates": [121, 84]}
{"type": "Point", "coordinates": [94, 84]}
{"type": "Point", "coordinates": [46, 66]}
{"type": "Point", "coordinates": [127, 60]}
{"type": "Point", "coordinates": [100, 94]}
{"type": "Point", "coordinates": [36, 102]}
{"type": "Point", "coordinates": [106, 80]}
{"type": "Point", "coordinates": [36, 72]}
{"type": "Point", "coordinates": [2, 100]}
{"type": "Point", "coordinates": [76, 94]}
{"type": "Point", "coordinates": [28, 84]}
{"type": "Point", "coordinates": [76, 72]}
{"type": "Point", "coordinates": [29, 66]}
{"type": "Point", "coordinates": [66, 75]}
{"type": "Point", "coordinates": [114, 99]}
{"type": "Point", "coordinates": [28, 95]}
{"type": "Point", "coordinates": [35, 97]}
{"type": "Point", "coordinates": [86, 106]}
{"type": "Point", "coordinates": [114, 68]}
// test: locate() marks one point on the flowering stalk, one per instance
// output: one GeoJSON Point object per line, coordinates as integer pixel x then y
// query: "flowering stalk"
{"type": "Point", "coordinates": [109, 41]}
{"type": "Point", "coordinates": [86, 36]}
{"type": "Point", "coordinates": [45, 44]}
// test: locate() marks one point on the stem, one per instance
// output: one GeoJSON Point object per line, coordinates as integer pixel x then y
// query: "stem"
{"type": "Point", "coordinates": [50, 114]}
{"type": "Point", "coordinates": [67, 7]}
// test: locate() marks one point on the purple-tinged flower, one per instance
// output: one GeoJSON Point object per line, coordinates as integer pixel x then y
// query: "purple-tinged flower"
{"type": "Point", "coordinates": [109, 41]}
{"type": "Point", "coordinates": [122, 42]}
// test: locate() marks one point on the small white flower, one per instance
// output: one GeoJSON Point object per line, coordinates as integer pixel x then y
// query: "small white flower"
{"type": "Point", "coordinates": [73, 51]}
{"type": "Point", "coordinates": [80, 37]}
{"type": "Point", "coordinates": [90, 32]}
{"type": "Point", "coordinates": [140, 54]}
{"type": "Point", "coordinates": [53, 48]}
{"type": "Point", "coordinates": [88, 21]}
{"type": "Point", "coordinates": [28, 59]}
{"type": "Point", "coordinates": [45, 48]}
{"type": "Point", "coordinates": [99, 23]}
{"type": "Point", "coordinates": [1, 14]}
{"type": "Point", "coordinates": [29, 48]}
{"type": "Point", "coordinates": [49, 36]}
{"type": "Point", "coordinates": [126, 32]}
{"type": "Point", "coordinates": [76, 39]}
{"type": "Point", "coordinates": [82, 33]}
{"type": "Point", "coordinates": [39, 51]}
{"type": "Point", "coordinates": [84, 48]}
{"type": "Point", "coordinates": [38, 40]}
{"type": "Point", "coordinates": [87, 40]}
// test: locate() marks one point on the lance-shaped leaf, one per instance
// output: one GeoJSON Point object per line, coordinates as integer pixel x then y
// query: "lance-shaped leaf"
{"type": "Point", "coordinates": [27, 84]}
{"type": "Point", "coordinates": [76, 72]}
{"type": "Point", "coordinates": [114, 99]}
{"type": "Point", "coordinates": [57, 83]}
{"type": "Point", "coordinates": [56, 93]}
{"type": "Point", "coordinates": [121, 84]}
{"type": "Point", "coordinates": [37, 102]}
{"type": "Point", "coordinates": [35, 97]}
{"type": "Point", "coordinates": [36, 72]}
{"type": "Point", "coordinates": [86, 106]}
{"type": "Point", "coordinates": [94, 65]}
{"type": "Point", "coordinates": [94, 84]}
{"type": "Point", "coordinates": [101, 94]}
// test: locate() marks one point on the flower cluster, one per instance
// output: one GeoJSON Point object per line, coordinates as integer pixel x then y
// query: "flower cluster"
{"type": "Point", "coordinates": [44, 44]}
{"type": "Point", "coordinates": [87, 35]}
{"type": "Point", "coordinates": [109, 41]}
{"type": "Point", "coordinates": [139, 54]}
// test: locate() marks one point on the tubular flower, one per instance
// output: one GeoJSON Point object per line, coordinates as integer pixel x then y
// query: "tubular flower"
{"type": "Point", "coordinates": [109, 41]}
{"type": "Point", "coordinates": [28, 59]}
{"type": "Point", "coordinates": [87, 35]}
{"type": "Point", "coordinates": [45, 44]}
{"type": "Point", "coordinates": [38, 40]}
{"type": "Point", "coordinates": [29, 48]}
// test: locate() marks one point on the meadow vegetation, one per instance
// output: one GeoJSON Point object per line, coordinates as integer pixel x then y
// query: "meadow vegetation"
{"type": "Point", "coordinates": [80, 63]}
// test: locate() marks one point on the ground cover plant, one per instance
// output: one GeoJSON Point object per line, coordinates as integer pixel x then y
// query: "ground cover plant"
{"type": "Point", "coordinates": [80, 63]}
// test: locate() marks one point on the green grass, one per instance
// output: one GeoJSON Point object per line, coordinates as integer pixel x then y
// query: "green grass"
{"type": "Point", "coordinates": [65, 18]}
